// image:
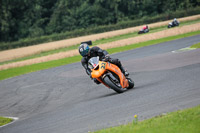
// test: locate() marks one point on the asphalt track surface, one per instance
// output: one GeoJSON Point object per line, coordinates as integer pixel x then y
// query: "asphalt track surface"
{"type": "Point", "coordinates": [65, 100]}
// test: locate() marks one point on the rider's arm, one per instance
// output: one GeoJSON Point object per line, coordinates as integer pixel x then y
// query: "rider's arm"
{"type": "Point", "coordinates": [103, 52]}
{"type": "Point", "coordinates": [84, 63]}
{"type": "Point", "coordinates": [100, 52]}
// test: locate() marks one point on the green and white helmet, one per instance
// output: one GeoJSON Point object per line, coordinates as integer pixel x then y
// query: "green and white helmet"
{"type": "Point", "coordinates": [84, 49]}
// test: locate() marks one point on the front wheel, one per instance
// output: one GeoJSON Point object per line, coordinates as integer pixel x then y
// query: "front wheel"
{"type": "Point", "coordinates": [115, 86]}
{"type": "Point", "coordinates": [140, 32]}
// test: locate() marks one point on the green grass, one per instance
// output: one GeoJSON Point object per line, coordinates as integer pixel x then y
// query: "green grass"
{"type": "Point", "coordinates": [4, 74]}
{"type": "Point", "coordinates": [196, 45]}
{"type": "Point", "coordinates": [98, 42]}
{"type": "Point", "coordinates": [185, 121]}
{"type": "Point", "coordinates": [4, 121]}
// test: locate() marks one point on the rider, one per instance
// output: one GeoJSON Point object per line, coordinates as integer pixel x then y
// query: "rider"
{"type": "Point", "coordinates": [175, 21]}
{"type": "Point", "coordinates": [145, 28]}
{"type": "Point", "coordinates": [95, 51]}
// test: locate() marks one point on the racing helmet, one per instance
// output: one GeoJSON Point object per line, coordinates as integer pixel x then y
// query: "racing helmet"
{"type": "Point", "coordinates": [84, 49]}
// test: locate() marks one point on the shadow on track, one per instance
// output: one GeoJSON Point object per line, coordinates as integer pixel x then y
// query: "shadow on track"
{"type": "Point", "coordinates": [103, 96]}
{"type": "Point", "coordinates": [107, 95]}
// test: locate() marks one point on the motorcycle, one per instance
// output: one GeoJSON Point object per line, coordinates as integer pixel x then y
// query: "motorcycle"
{"type": "Point", "coordinates": [171, 24]}
{"type": "Point", "coordinates": [110, 75]}
{"type": "Point", "coordinates": [143, 31]}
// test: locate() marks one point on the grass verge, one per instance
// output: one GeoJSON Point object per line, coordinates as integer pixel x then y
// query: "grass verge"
{"type": "Point", "coordinates": [185, 121]}
{"type": "Point", "coordinates": [196, 45]}
{"type": "Point", "coordinates": [4, 74]}
{"type": "Point", "coordinates": [98, 42]}
{"type": "Point", "coordinates": [4, 121]}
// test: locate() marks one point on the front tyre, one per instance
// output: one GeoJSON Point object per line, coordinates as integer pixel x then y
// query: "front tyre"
{"type": "Point", "coordinates": [115, 86]}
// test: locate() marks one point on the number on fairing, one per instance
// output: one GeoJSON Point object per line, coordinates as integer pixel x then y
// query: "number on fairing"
{"type": "Point", "coordinates": [103, 65]}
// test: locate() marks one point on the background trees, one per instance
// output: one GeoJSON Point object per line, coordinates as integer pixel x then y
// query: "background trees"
{"type": "Point", "coordinates": [33, 18]}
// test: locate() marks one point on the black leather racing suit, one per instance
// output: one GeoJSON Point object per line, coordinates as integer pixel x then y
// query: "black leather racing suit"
{"type": "Point", "coordinates": [96, 51]}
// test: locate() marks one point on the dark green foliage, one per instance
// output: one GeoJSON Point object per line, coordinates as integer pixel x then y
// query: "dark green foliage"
{"type": "Point", "coordinates": [46, 20]}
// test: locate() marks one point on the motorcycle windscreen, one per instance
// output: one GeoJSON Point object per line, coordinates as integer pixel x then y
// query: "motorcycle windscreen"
{"type": "Point", "coordinates": [93, 62]}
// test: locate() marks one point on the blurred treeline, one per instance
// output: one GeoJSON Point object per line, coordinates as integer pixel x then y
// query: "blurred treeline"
{"type": "Point", "coordinates": [34, 18]}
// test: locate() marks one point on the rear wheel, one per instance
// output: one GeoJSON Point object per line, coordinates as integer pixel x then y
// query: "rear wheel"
{"type": "Point", "coordinates": [113, 85]}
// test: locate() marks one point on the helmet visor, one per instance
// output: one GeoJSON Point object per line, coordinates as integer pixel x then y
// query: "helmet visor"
{"type": "Point", "coordinates": [85, 52]}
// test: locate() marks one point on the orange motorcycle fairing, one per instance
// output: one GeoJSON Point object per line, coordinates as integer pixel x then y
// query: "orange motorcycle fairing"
{"type": "Point", "coordinates": [103, 67]}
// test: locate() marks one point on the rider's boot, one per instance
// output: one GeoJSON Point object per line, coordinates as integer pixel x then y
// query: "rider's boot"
{"type": "Point", "coordinates": [125, 72]}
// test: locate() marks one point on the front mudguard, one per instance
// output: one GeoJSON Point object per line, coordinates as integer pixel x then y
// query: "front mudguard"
{"type": "Point", "coordinates": [108, 80]}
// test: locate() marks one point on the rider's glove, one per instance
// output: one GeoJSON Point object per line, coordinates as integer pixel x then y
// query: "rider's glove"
{"type": "Point", "coordinates": [106, 58]}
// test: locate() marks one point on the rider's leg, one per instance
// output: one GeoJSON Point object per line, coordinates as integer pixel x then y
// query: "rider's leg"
{"type": "Point", "coordinates": [118, 63]}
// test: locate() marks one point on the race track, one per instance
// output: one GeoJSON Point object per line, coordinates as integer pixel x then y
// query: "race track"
{"type": "Point", "coordinates": [65, 100]}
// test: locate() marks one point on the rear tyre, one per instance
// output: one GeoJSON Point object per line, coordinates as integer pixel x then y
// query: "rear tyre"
{"type": "Point", "coordinates": [131, 83]}
{"type": "Point", "coordinates": [115, 86]}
